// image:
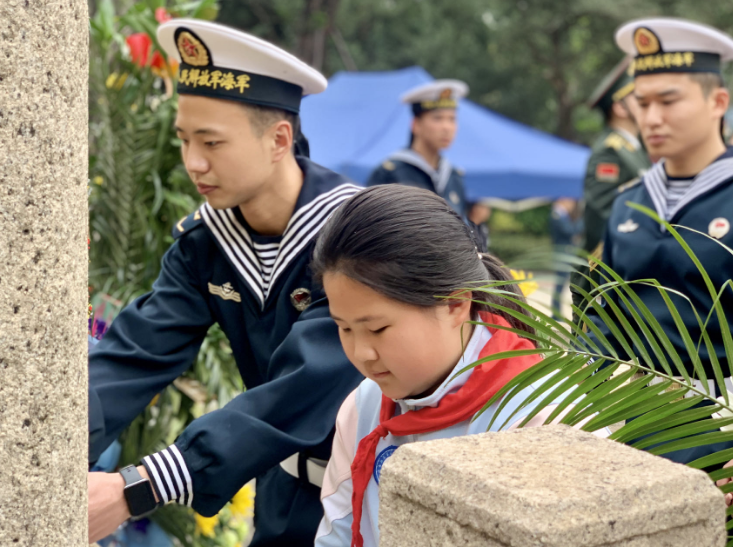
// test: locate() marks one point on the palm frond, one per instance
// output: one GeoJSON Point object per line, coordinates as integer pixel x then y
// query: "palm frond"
{"type": "Point", "coordinates": [625, 370]}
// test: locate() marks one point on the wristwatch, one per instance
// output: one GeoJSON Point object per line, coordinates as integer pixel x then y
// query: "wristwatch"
{"type": "Point", "coordinates": [138, 493]}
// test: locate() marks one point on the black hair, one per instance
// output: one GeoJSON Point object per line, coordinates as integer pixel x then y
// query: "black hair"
{"type": "Point", "coordinates": [411, 246]}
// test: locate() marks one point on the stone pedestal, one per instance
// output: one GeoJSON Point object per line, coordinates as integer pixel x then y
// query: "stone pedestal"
{"type": "Point", "coordinates": [43, 272]}
{"type": "Point", "coordinates": [552, 486]}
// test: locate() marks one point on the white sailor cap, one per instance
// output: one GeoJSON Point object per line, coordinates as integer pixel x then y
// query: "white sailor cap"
{"type": "Point", "coordinates": [666, 44]}
{"type": "Point", "coordinates": [434, 95]}
{"type": "Point", "coordinates": [224, 63]}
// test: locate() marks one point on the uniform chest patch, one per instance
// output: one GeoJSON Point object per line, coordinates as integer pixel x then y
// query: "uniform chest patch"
{"type": "Point", "coordinates": [719, 227]}
{"type": "Point", "coordinates": [607, 172]}
{"type": "Point", "coordinates": [300, 299]}
{"type": "Point", "coordinates": [380, 459]}
{"type": "Point", "coordinates": [628, 227]}
{"type": "Point", "coordinates": [225, 292]}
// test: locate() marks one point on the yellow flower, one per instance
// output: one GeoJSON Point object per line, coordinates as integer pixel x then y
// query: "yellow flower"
{"type": "Point", "coordinates": [243, 502]}
{"type": "Point", "coordinates": [205, 525]}
{"type": "Point", "coordinates": [527, 287]}
{"type": "Point", "coordinates": [121, 81]}
{"type": "Point", "coordinates": [111, 79]}
{"type": "Point", "coordinates": [98, 180]}
{"type": "Point", "coordinates": [133, 107]}
{"type": "Point", "coordinates": [116, 80]}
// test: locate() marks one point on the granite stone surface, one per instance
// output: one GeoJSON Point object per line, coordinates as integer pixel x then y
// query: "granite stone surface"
{"type": "Point", "coordinates": [43, 272]}
{"type": "Point", "coordinates": [551, 486]}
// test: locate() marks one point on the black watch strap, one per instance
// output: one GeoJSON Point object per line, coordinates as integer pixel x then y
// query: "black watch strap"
{"type": "Point", "coordinates": [139, 493]}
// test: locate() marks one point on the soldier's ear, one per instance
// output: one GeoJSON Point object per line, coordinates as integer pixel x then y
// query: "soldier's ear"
{"type": "Point", "coordinates": [619, 110]}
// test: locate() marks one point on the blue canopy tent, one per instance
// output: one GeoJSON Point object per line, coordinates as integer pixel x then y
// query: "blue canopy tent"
{"type": "Point", "coordinates": [358, 121]}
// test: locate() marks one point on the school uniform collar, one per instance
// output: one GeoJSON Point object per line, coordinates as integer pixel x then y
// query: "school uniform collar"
{"type": "Point", "coordinates": [715, 174]}
{"type": "Point", "coordinates": [439, 176]}
{"type": "Point", "coordinates": [322, 193]}
{"type": "Point", "coordinates": [480, 337]}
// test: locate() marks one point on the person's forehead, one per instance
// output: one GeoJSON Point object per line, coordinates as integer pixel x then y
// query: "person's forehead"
{"type": "Point", "coordinates": [652, 84]}
{"type": "Point", "coordinates": [195, 109]}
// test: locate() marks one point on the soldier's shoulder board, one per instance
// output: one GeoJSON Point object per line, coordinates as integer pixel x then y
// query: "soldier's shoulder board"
{"type": "Point", "coordinates": [626, 185]}
{"type": "Point", "coordinates": [187, 223]}
{"type": "Point", "coordinates": [614, 141]}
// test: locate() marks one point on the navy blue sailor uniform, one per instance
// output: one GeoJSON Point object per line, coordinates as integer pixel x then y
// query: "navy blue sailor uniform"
{"type": "Point", "coordinates": [410, 168]}
{"type": "Point", "coordinates": [637, 247]}
{"type": "Point", "coordinates": [261, 293]}
{"type": "Point", "coordinates": [285, 345]}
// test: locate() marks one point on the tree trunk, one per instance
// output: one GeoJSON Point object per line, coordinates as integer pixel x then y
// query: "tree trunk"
{"type": "Point", "coordinates": [43, 272]}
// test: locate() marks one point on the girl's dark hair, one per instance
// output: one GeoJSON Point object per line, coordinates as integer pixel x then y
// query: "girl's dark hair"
{"type": "Point", "coordinates": [410, 245]}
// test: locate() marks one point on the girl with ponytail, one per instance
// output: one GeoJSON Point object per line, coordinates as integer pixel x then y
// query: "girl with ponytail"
{"type": "Point", "coordinates": [395, 262]}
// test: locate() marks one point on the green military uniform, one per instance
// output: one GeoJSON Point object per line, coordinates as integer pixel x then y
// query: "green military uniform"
{"type": "Point", "coordinates": [617, 158]}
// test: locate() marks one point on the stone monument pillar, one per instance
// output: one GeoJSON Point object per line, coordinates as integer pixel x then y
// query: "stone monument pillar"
{"type": "Point", "coordinates": [551, 486]}
{"type": "Point", "coordinates": [43, 272]}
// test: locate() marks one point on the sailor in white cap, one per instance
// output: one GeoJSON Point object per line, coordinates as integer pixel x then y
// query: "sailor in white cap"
{"type": "Point", "coordinates": [682, 100]}
{"type": "Point", "coordinates": [433, 130]}
{"type": "Point", "coordinates": [240, 260]}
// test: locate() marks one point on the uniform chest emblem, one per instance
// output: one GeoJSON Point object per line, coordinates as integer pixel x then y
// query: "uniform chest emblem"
{"type": "Point", "coordinates": [628, 227]}
{"type": "Point", "coordinates": [225, 292]}
{"type": "Point", "coordinates": [300, 299]}
{"type": "Point", "coordinates": [379, 461]}
{"type": "Point", "coordinates": [719, 227]}
{"type": "Point", "coordinates": [454, 197]}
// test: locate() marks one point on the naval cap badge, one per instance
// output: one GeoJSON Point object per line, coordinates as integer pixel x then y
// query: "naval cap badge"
{"type": "Point", "coordinates": [300, 299]}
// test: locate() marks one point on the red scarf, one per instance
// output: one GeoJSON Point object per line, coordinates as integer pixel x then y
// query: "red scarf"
{"type": "Point", "coordinates": [485, 381]}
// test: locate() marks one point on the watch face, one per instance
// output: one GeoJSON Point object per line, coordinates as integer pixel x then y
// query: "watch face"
{"type": "Point", "coordinates": [140, 498]}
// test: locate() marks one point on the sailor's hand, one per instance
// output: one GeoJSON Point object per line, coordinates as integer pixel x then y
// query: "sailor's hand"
{"type": "Point", "coordinates": [721, 482]}
{"type": "Point", "coordinates": [107, 505]}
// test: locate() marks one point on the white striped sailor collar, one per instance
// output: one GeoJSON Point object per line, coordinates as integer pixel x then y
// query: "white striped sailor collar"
{"type": "Point", "coordinates": [322, 193]}
{"type": "Point", "coordinates": [715, 174]}
{"type": "Point", "coordinates": [439, 177]}
{"type": "Point", "coordinates": [479, 338]}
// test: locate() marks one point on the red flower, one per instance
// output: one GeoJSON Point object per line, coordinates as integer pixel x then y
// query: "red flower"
{"type": "Point", "coordinates": [139, 44]}
{"type": "Point", "coordinates": [161, 15]}
{"type": "Point", "coordinates": [157, 62]}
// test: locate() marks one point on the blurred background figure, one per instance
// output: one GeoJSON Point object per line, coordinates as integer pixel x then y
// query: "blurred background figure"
{"type": "Point", "coordinates": [617, 155]}
{"type": "Point", "coordinates": [617, 158]}
{"type": "Point", "coordinates": [478, 215]}
{"type": "Point", "coordinates": [566, 228]}
{"type": "Point", "coordinates": [433, 129]}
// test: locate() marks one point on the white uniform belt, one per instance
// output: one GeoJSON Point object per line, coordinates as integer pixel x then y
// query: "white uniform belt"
{"type": "Point", "coordinates": [315, 468]}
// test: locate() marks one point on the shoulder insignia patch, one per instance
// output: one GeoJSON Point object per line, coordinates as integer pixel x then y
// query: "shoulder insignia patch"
{"type": "Point", "coordinates": [607, 172]}
{"type": "Point", "coordinates": [388, 165]}
{"type": "Point", "coordinates": [626, 185]}
{"type": "Point", "coordinates": [187, 223]}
